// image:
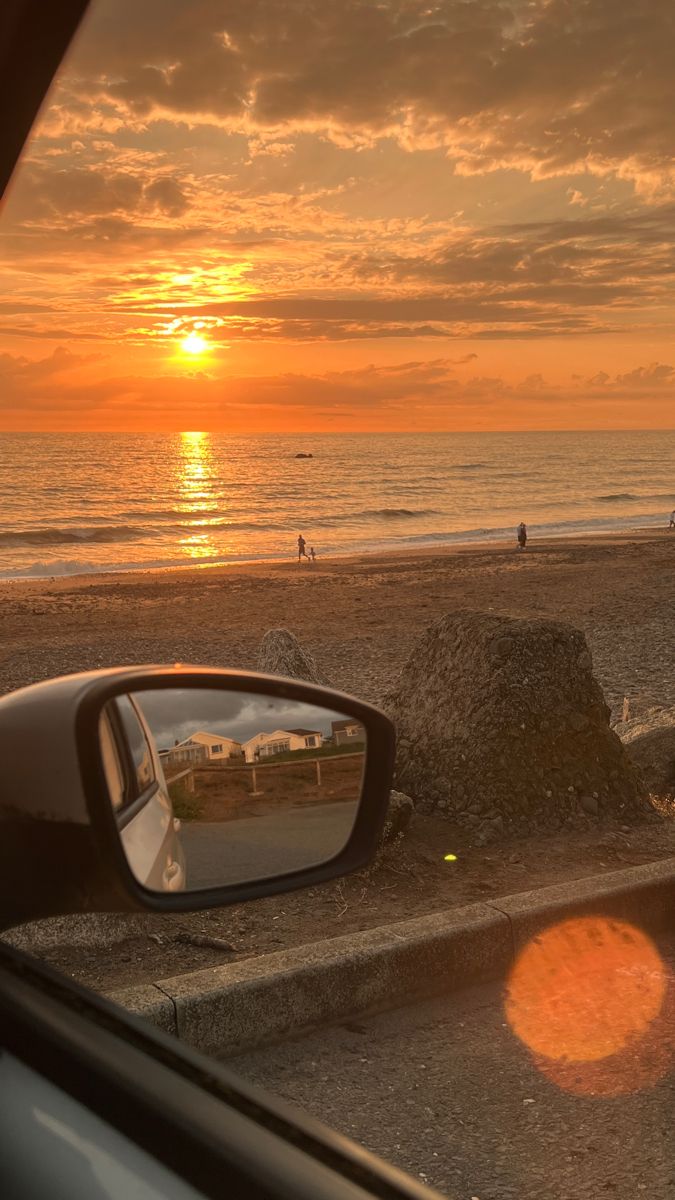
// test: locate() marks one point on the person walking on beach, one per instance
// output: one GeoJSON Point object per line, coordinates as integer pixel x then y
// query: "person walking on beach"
{"type": "Point", "coordinates": [522, 535]}
{"type": "Point", "coordinates": [672, 520]}
{"type": "Point", "coordinates": [302, 553]}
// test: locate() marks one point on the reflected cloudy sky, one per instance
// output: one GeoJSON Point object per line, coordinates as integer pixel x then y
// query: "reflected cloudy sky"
{"type": "Point", "coordinates": [174, 714]}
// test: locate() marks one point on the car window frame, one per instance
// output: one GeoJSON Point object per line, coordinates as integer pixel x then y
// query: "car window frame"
{"type": "Point", "coordinates": [133, 798]}
{"type": "Point", "coordinates": [212, 1128]}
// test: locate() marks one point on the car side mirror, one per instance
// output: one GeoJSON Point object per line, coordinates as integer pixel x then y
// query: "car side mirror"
{"type": "Point", "coordinates": [215, 786]}
{"type": "Point", "coordinates": [197, 787]}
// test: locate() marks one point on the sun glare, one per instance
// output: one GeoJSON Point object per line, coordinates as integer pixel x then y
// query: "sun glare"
{"type": "Point", "coordinates": [194, 344]}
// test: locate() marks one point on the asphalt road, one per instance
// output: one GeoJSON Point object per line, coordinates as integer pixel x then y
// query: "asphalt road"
{"type": "Point", "coordinates": [220, 852]}
{"type": "Point", "coordinates": [445, 1090]}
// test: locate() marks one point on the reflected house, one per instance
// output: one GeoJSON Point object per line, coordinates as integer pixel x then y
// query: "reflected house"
{"type": "Point", "coordinates": [348, 733]}
{"type": "Point", "coordinates": [183, 756]}
{"type": "Point", "coordinates": [216, 746]}
{"type": "Point", "coordinates": [281, 741]}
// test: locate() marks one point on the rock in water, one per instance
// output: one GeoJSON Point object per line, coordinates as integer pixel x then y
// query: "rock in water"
{"type": "Point", "coordinates": [502, 726]}
{"type": "Point", "coordinates": [280, 653]}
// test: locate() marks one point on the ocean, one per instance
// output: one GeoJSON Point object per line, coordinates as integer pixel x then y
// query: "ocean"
{"type": "Point", "coordinates": [72, 503]}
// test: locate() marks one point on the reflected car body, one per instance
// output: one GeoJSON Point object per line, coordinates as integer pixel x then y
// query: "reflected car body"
{"type": "Point", "coordinates": [140, 795]}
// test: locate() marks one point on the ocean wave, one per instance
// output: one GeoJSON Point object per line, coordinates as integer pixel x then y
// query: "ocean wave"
{"type": "Point", "coordinates": [659, 497]}
{"type": "Point", "coordinates": [337, 549]}
{"type": "Point", "coordinates": [73, 566]}
{"type": "Point", "coordinates": [225, 526]}
{"type": "Point", "coordinates": [57, 566]}
{"type": "Point", "coordinates": [152, 514]}
{"type": "Point", "coordinates": [56, 537]}
{"type": "Point", "coordinates": [615, 496]}
{"type": "Point", "coordinates": [316, 521]}
{"type": "Point", "coordinates": [396, 512]}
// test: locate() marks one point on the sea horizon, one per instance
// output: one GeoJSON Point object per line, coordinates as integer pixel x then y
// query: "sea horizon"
{"type": "Point", "coordinates": [75, 503]}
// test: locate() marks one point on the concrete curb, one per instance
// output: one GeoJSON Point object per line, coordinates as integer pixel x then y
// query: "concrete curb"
{"type": "Point", "coordinates": [227, 1009]}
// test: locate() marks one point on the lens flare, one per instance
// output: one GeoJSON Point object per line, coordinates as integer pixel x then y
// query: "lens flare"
{"type": "Point", "coordinates": [587, 999]}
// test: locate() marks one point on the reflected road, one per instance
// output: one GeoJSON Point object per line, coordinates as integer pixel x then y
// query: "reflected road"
{"type": "Point", "coordinates": [221, 852]}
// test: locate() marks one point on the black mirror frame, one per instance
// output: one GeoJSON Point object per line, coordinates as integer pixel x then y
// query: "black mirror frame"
{"type": "Point", "coordinates": [366, 832]}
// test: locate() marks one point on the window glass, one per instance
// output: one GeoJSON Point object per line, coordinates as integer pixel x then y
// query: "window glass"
{"type": "Point", "coordinates": [112, 766]}
{"type": "Point", "coordinates": [139, 750]}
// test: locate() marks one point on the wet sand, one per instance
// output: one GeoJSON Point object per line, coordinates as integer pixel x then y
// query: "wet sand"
{"type": "Point", "coordinates": [360, 616]}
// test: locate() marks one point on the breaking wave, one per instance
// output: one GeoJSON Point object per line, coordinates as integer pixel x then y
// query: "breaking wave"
{"type": "Point", "coordinates": [397, 512]}
{"type": "Point", "coordinates": [61, 537]}
{"type": "Point", "coordinates": [659, 497]}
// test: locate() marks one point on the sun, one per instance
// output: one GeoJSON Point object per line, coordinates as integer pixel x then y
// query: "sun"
{"type": "Point", "coordinates": [194, 344]}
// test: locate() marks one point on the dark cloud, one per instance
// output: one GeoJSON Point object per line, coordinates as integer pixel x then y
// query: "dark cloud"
{"type": "Point", "coordinates": [515, 324]}
{"type": "Point", "coordinates": [548, 86]}
{"type": "Point", "coordinates": [654, 375]}
{"type": "Point", "coordinates": [355, 319]}
{"type": "Point", "coordinates": [15, 369]}
{"type": "Point", "coordinates": [56, 334]}
{"type": "Point", "coordinates": [176, 713]}
{"type": "Point", "coordinates": [167, 195]}
{"type": "Point", "coordinates": [591, 262]}
{"type": "Point", "coordinates": [72, 191]}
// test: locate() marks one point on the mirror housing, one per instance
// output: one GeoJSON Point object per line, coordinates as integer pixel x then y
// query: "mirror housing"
{"type": "Point", "coordinates": [58, 828]}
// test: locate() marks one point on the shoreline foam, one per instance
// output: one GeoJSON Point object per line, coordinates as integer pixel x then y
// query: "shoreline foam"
{"type": "Point", "coordinates": [365, 558]}
{"type": "Point", "coordinates": [422, 543]}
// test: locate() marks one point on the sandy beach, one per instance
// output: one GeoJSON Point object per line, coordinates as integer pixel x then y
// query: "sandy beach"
{"type": "Point", "coordinates": [360, 616]}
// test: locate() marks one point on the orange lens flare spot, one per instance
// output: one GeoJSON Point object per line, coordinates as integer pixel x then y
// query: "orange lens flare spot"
{"type": "Point", "coordinates": [585, 989]}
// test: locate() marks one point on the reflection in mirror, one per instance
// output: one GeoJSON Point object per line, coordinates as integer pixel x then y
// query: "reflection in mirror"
{"type": "Point", "coordinates": [211, 787]}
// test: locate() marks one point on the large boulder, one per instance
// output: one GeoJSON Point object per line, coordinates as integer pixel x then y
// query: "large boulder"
{"type": "Point", "coordinates": [280, 653]}
{"type": "Point", "coordinates": [650, 744]}
{"type": "Point", "coordinates": [502, 726]}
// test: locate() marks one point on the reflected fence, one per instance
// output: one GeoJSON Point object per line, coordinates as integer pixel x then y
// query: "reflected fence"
{"type": "Point", "coordinates": [217, 791]}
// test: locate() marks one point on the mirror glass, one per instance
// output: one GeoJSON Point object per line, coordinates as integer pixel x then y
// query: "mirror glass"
{"type": "Point", "coordinates": [212, 787]}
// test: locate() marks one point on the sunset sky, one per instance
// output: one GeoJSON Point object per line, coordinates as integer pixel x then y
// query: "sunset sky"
{"type": "Point", "coordinates": [316, 215]}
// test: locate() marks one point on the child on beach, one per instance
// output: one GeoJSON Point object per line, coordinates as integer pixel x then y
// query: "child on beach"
{"type": "Point", "coordinates": [522, 535]}
{"type": "Point", "coordinates": [312, 555]}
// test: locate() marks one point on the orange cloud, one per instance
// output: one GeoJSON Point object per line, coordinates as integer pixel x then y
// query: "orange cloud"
{"type": "Point", "coordinates": [69, 391]}
{"type": "Point", "coordinates": [365, 183]}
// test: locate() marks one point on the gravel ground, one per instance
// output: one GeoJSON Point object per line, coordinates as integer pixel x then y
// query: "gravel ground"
{"type": "Point", "coordinates": [360, 619]}
{"type": "Point", "coordinates": [445, 1091]}
{"type": "Point", "coordinates": [636, 660]}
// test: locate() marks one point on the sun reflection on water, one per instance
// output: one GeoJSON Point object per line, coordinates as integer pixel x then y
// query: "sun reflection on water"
{"type": "Point", "coordinates": [197, 494]}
